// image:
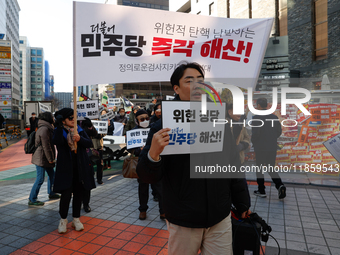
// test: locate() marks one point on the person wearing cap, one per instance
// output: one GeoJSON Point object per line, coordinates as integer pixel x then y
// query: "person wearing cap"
{"type": "Point", "coordinates": [33, 123]}
{"type": "Point", "coordinates": [132, 122]}
{"type": "Point", "coordinates": [142, 121]}
{"type": "Point", "coordinates": [73, 172]}
{"type": "Point", "coordinates": [157, 113]}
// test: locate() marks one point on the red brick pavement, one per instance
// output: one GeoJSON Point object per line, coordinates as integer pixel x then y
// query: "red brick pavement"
{"type": "Point", "coordinates": [14, 156]}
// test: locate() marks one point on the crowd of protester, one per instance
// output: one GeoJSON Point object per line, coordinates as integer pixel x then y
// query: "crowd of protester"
{"type": "Point", "coordinates": [196, 210]}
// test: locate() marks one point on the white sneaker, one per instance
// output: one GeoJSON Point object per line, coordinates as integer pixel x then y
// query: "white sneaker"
{"type": "Point", "coordinates": [77, 224]}
{"type": "Point", "coordinates": [62, 228]}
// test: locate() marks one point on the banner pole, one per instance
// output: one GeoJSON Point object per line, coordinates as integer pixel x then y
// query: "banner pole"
{"type": "Point", "coordinates": [75, 128]}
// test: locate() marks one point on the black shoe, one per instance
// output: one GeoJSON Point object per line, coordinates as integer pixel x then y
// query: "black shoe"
{"type": "Point", "coordinates": [260, 194]}
{"type": "Point", "coordinates": [87, 208]}
{"type": "Point", "coordinates": [54, 196]}
{"type": "Point", "coordinates": [282, 192]}
{"type": "Point", "coordinates": [100, 182]}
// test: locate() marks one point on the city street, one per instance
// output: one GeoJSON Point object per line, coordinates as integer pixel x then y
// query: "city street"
{"type": "Point", "coordinates": [306, 222]}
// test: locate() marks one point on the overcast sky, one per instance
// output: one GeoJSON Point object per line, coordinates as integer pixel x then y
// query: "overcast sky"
{"type": "Point", "coordinates": [48, 24]}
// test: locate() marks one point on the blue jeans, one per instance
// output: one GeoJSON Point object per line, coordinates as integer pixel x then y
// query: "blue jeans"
{"type": "Point", "coordinates": [40, 180]}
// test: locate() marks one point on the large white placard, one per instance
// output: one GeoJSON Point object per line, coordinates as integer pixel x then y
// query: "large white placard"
{"type": "Point", "coordinates": [108, 116]}
{"type": "Point", "coordinates": [136, 138]}
{"type": "Point", "coordinates": [44, 108]}
{"type": "Point", "coordinates": [100, 126]}
{"type": "Point", "coordinates": [112, 47]}
{"type": "Point", "coordinates": [114, 102]}
{"type": "Point", "coordinates": [119, 128]}
{"type": "Point", "coordinates": [88, 109]}
{"type": "Point", "coordinates": [192, 132]}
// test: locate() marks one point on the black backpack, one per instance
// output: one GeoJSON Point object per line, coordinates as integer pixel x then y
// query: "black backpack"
{"type": "Point", "coordinates": [30, 144]}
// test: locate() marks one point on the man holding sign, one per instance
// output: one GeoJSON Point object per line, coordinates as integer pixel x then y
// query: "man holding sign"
{"type": "Point", "coordinates": [197, 210]}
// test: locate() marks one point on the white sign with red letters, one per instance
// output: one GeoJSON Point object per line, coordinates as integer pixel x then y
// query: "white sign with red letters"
{"type": "Point", "coordinates": [117, 44]}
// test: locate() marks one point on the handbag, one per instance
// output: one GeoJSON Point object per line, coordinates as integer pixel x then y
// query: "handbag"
{"type": "Point", "coordinates": [93, 154]}
{"type": "Point", "coordinates": [129, 167]}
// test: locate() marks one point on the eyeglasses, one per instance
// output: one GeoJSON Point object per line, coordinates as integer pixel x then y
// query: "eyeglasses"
{"type": "Point", "coordinates": [70, 118]}
{"type": "Point", "coordinates": [143, 119]}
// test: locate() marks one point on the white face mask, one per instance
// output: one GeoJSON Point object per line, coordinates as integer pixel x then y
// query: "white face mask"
{"type": "Point", "coordinates": [144, 124]}
{"type": "Point", "coordinates": [122, 114]}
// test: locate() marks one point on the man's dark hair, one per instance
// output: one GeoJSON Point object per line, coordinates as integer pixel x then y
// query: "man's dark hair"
{"type": "Point", "coordinates": [262, 102]}
{"type": "Point", "coordinates": [46, 116]}
{"type": "Point", "coordinates": [121, 109]}
{"type": "Point", "coordinates": [179, 71]}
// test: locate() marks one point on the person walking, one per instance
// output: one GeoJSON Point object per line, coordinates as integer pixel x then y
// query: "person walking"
{"type": "Point", "coordinates": [142, 121]}
{"type": "Point", "coordinates": [91, 132]}
{"type": "Point", "coordinates": [73, 171]}
{"type": "Point", "coordinates": [33, 123]}
{"type": "Point", "coordinates": [43, 158]}
{"type": "Point", "coordinates": [264, 139]}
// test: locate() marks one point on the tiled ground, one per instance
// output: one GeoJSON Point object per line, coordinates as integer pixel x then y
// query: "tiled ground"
{"type": "Point", "coordinates": [306, 222]}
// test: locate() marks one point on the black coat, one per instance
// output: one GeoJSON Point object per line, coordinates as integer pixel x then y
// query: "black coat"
{"type": "Point", "coordinates": [194, 203]}
{"type": "Point", "coordinates": [265, 138]}
{"type": "Point", "coordinates": [64, 169]}
{"type": "Point", "coordinates": [33, 123]}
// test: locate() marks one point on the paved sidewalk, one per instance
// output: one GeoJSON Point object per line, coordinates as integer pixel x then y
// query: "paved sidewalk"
{"type": "Point", "coordinates": [307, 221]}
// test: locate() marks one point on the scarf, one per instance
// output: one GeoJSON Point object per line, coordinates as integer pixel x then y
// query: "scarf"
{"type": "Point", "coordinates": [69, 138]}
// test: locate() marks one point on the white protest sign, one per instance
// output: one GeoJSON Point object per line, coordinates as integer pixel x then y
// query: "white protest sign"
{"type": "Point", "coordinates": [108, 116]}
{"type": "Point", "coordinates": [88, 109]}
{"type": "Point", "coordinates": [114, 102]}
{"type": "Point", "coordinates": [44, 108]}
{"type": "Point", "coordinates": [149, 46]}
{"type": "Point", "coordinates": [192, 132]}
{"type": "Point", "coordinates": [119, 128]}
{"type": "Point", "coordinates": [333, 146]}
{"type": "Point", "coordinates": [100, 126]}
{"type": "Point", "coordinates": [101, 108]}
{"type": "Point", "coordinates": [136, 138]}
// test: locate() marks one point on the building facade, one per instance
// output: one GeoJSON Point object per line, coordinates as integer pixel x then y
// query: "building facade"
{"type": "Point", "coordinates": [312, 30]}
{"type": "Point", "coordinates": [25, 73]}
{"type": "Point", "coordinates": [65, 98]}
{"type": "Point", "coordinates": [47, 81]}
{"type": "Point", "coordinates": [9, 28]}
{"type": "Point", "coordinates": [37, 63]}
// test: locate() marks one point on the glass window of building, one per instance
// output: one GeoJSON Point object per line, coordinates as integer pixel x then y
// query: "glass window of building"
{"type": "Point", "coordinates": [39, 86]}
{"type": "Point", "coordinates": [32, 65]}
{"type": "Point", "coordinates": [39, 99]}
{"type": "Point", "coordinates": [33, 86]}
{"type": "Point", "coordinates": [39, 60]}
{"type": "Point", "coordinates": [32, 72]}
{"type": "Point", "coordinates": [39, 66]}
{"type": "Point", "coordinates": [39, 93]}
{"type": "Point", "coordinates": [39, 52]}
{"type": "Point", "coordinates": [320, 29]}
{"type": "Point", "coordinates": [33, 79]}
{"type": "Point", "coordinates": [38, 73]}
{"type": "Point", "coordinates": [33, 52]}
{"type": "Point", "coordinates": [33, 93]}
{"type": "Point", "coordinates": [38, 79]}
{"type": "Point", "coordinates": [33, 59]}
